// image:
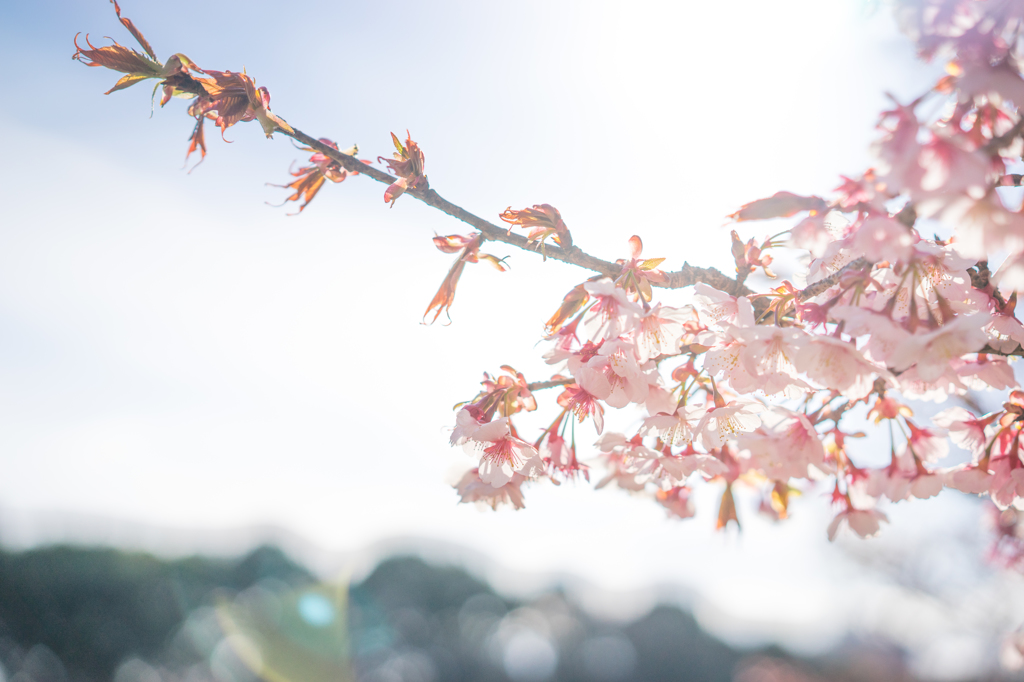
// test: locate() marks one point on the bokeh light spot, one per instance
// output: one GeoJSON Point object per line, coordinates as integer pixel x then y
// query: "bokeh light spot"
{"type": "Point", "coordinates": [316, 609]}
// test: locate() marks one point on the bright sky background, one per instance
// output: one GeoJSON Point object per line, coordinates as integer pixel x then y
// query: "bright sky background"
{"type": "Point", "coordinates": [174, 352]}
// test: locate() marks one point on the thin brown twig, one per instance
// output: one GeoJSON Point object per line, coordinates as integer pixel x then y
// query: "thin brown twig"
{"type": "Point", "coordinates": [1017, 352]}
{"type": "Point", "coordinates": [541, 385]}
{"type": "Point", "coordinates": [823, 285]}
{"type": "Point", "coordinates": [1004, 140]}
{"type": "Point", "coordinates": [980, 275]}
{"type": "Point", "coordinates": [687, 275]}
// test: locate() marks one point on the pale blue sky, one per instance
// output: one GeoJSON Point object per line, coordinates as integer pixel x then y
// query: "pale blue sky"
{"type": "Point", "coordinates": [176, 352]}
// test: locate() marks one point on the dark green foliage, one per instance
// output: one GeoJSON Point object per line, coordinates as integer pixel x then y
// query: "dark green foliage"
{"type": "Point", "coordinates": [76, 615]}
{"type": "Point", "coordinates": [670, 645]}
{"type": "Point", "coordinates": [96, 607]}
{"type": "Point", "coordinates": [411, 583]}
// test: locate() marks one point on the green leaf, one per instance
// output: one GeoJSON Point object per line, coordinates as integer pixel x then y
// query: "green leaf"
{"type": "Point", "coordinates": [651, 263]}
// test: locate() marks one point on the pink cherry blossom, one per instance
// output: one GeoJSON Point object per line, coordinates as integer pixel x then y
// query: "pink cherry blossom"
{"type": "Point", "coordinates": [864, 522]}
{"type": "Point", "coordinates": [672, 469]}
{"type": "Point", "coordinates": [725, 356]}
{"type": "Point", "coordinates": [912, 386]}
{"type": "Point", "coordinates": [502, 454]}
{"type": "Point", "coordinates": [714, 307]}
{"type": "Point", "coordinates": [832, 362]}
{"type": "Point", "coordinates": [660, 330]}
{"type": "Point", "coordinates": [1005, 333]}
{"type": "Point", "coordinates": [581, 357]}
{"type": "Point", "coordinates": [472, 489]}
{"type": "Point", "coordinates": [927, 444]}
{"type": "Point", "coordinates": [466, 424]}
{"type": "Point", "coordinates": [812, 235]}
{"type": "Point", "coordinates": [677, 501]}
{"type": "Point", "coordinates": [1010, 275]}
{"type": "Point", "coordinates": [784, 450]}
{"type": "Point", "coordinates": [964, 428]}
{"type": "Point", "coordinates": [981, 78]}
{"type": "Point", "coordinates": [594, 380]}
{"type": "Point", "coordinates": [949, 171]}
{"type": "Point", "coordinates": [985, 372]}
{"type": "Point", "coordinates": [1007, 483]}
{"type": "Point", "coordinates": [613, 375]}
{"type": "Point", "coordinates": [906, 477]}
{"type": "Point", "coordinates": [618, 473]}
{"type": "Point", "coordinates": [720, 424]}
{"type": "Point", "coordinates": [884, 335]}
{"type": "Point", "coordinates": [766, 352]}
{"type": "Point", "coordinates": [932, 352]}
{"type": "Point", "coordinates": [944, 273]}
{"type": "Point", "coordinates": [724, 360]}
{"type": "Point", "coordinates": [970, 479]}
{"type": "Point", "coordinates": [582, 402]}
{"type": "Point", "coordinates": [899, 151]}
{"type": "Point", "coordinates": [984, 226]}
{"type": "Point", "coordinates": [927, 485]}
{"type": "Point", "coordinates": [678, 428]}
{"type": "Point", "coordinates": [612, 314]}
{"type": "Point", "coordinates": [882, 238]}
{"type": "Point", "coordinates": [889, 482]}
{"type": "Point", "coordinates": [659, 400]}
{"type": "Point", "coordinates": [560, 457]}
{"type": "Point", "coordinates": [620, 456]}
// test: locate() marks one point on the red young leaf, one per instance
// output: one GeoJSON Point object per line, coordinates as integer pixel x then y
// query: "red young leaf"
{"type": "Point", "coordinates": [135, 32]}
{"type": "Point", "coordinates": [636, 246]}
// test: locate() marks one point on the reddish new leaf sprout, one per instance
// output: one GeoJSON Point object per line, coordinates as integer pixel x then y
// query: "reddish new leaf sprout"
{"type": "Point", "coordinates": [309, 179]}
{"type": "Point", "coordinates": [468, 248]}
{"type": "Point", "coordinates": [407, 164]}
{"type": "Point", "coordinates": [543, 221]}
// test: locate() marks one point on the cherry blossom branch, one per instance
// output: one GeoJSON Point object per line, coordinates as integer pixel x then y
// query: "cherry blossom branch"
{"type": "Point", "coordinates": [617, 362]}
{"type": "Point", "coordinates": [687, 275]}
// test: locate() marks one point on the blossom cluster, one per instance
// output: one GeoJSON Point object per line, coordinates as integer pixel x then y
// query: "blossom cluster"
{"type": "Point", "coordinates": [770, 390]}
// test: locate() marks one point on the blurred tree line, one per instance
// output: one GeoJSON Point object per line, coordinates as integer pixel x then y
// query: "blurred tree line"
{"type": "Point", "coordinates": [72, 614]}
